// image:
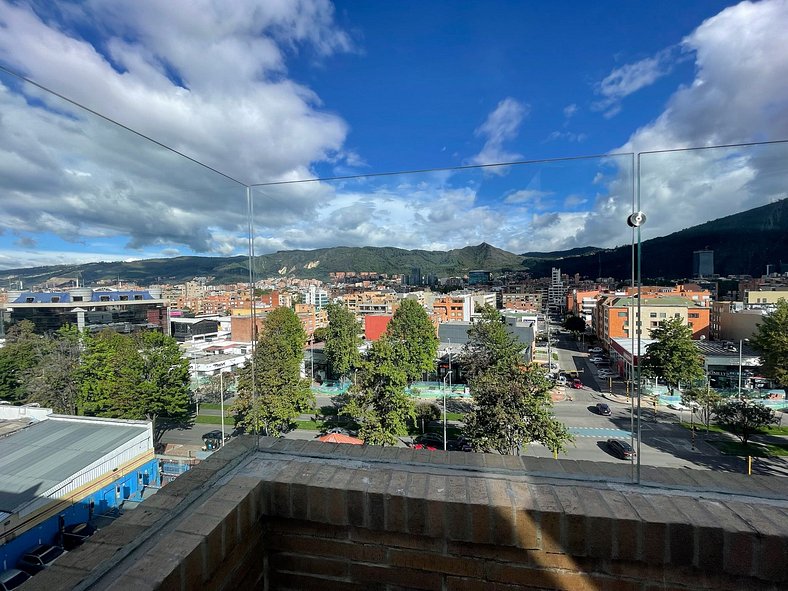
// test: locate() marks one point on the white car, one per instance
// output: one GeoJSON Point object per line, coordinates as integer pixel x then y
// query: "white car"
{"type": "Point", "coordinates": [595, 350]}
{"type": "Point", "coordinates": [677, 406]}
{"type": "Point", "coordinates": [597, 359]}
{"type": "Point", "coordinates": [607, 374]}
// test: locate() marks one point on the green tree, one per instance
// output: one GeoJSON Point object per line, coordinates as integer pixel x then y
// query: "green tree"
{"type": "Point", "coordinates": [110, 375]}
{"type": "Point", "coordinates": [413, 338]}
{"type": "Point", "coordinates": [744, 418]}
{"type": "Point", "coordinates": [426, 412]}
{"type": "Point", "coordinates": [771, 342]}
{"type": "Point", "coordinates": [342, 341]}
{"type": "Point", "coordinates": [271, 391]}
{"type": "Point", "coordinates": [703, 401]}
{"type": "Point", "coordinates": [377, 401]}
{"type": "Point", "coordinates": [135, 377]}
{"type": "Point", "coordinates": [22, 352]}
{"type": "Point", "coordinates": [164, 395]}
{"type": "Point", "coordinates": [512, 402]}
{"type": "Point", "coordinates": [54, 381]}
{"type": "Point", "coordinates": [673, 357]}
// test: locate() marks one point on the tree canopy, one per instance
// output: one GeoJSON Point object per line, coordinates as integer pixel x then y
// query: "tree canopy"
{"type": "Point", "coordinates": [673, 357]}
{"type": "Point", "coordinates": [342, 341]}
{"type": "Point", "coordinates": [412, 336]}
{"type": "Point", "coordinates": [771, 342]}
{"type": "Point", "coordinates": [377, 401]}
{"type": "Point", "coordinates": [512, 402]}
{"type": "Point", "coordinates": [745, 418]}
{"type": "Point", "coordinates": [22, 353]}
{"type": "Point", "coordinates": [54, 381]}
{"type": "Point", "coordinates": [142, 376]}
{"type": "Point", "coordinates": [271, 391]}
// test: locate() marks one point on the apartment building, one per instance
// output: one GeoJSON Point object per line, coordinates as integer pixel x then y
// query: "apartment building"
{"type": "Point", "coordinates": [371, 302]}
{"type": "Point", "coordinates": [614, 316]}
{"type": "Point", "coordinates": [461, 306]}
{"type": "Point", "coordinates": [522, 302]}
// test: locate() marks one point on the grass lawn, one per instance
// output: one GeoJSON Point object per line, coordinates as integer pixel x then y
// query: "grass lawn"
{"type": "Point", "coordinates": [214, 420]}
{"type": "Point", "coordinates": [714, 428]}
{"type": "Point", "coordinates": [212, 406]}
{"type": "Point", "coordinates": [760, 450]}
{"type": "Point", "coordinates": [309, 425]}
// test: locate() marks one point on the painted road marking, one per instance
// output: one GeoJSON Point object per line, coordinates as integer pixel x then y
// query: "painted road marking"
{"type": "Point", "coordinates": [599, 432]}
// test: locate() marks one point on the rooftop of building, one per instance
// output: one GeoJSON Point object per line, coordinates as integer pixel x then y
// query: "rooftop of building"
{"type": "Point", "coordinates": [45, 453]}
{"type": "Point", "coordinates": [88, 295]}
{"type": "Point", "coordinates": [290, 514]}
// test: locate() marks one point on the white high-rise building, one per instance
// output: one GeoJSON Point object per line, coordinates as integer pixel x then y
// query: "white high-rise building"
{"type": "Point", "coordinates": [556, 293]}
{"type": "Point", "coordinates": [316, 297]}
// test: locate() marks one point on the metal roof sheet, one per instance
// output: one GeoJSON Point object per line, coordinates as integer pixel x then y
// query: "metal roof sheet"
{"type": "Point", "coordinates": [46, 453]}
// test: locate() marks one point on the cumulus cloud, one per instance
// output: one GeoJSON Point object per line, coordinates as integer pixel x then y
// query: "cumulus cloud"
{"type": "Point", "coordinates": [71, 175]}
{"type": "Point", "coordinates": [207, 78]}
{"type": "Point", "coordinates": [501, 126]}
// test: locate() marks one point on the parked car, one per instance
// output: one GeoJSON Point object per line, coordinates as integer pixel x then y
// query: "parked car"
{"type": "Point", "coordinates": [595, 350]}
{"type": "Point", "coordinates": [39, 558]}
{"type": "Point", "coordinates": [428, 441]}
{"type": "Point", "coordinates": [459, 444]}
{"type": "Point", "coordinates": [607, 374]}
{"type": "Point", "coordinates": [677, 406]}
{"type": "Point", "coordinates": [561, 381]}
{"type": "Point", "coordinates": [597, 359]}
{"type": "Point", "coordinates": [76, 533]}
{"type": "Point", "coordinates": [577, 384]}
{"type": "Point", "coordinates": [603, 409]}
{"type": "Point", "coordinates": [621, 449]}
{"type": "Point", "coordinates": [12, 578]}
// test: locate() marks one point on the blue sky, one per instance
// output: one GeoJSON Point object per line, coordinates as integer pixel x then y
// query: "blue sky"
{"type": "Point", "coordinates": [266, 91]}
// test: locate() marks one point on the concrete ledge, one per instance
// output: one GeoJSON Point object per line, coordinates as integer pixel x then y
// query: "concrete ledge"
{"type": "Point", "coordinates": [291, 514]}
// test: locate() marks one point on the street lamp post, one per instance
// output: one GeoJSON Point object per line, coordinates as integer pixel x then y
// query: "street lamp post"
{"type": "Point", "coordinates": [741, 342]}
{"type": "Point", "coordinates": [446, 377]}
{"type": "Point", "coordinates": [221, 400]}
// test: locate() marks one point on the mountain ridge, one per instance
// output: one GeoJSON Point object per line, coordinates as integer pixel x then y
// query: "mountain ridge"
{"type": "Point", "coordinates": [743, 243]}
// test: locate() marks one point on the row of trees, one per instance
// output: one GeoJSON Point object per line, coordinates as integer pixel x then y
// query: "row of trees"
{"type": "Point", "coordinates": [139, 376]}
{"type": "Point", "coordinates": [512, 399]}
{"type": "Point", "coordinates": [512, 404]}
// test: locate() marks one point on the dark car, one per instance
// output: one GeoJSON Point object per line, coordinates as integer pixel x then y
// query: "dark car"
{"type": "Point", "coordinates": [620, 449]}
{"type": "Point", "coordinates": [39, 558]}
{"type": "Point", "coordinates": [76, 533]}
{"type": "Point", "coordinates": [458, 444]}
{"type": "Point", "coordinates": [12, 578]}
{"type": "Point", "coordinates": [603, 409]}
{"type": "Point", "coordinates": [428, 441]}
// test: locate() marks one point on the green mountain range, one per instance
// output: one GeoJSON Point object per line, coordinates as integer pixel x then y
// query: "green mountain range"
{"type": "Point", "coordinates": [743, 243]}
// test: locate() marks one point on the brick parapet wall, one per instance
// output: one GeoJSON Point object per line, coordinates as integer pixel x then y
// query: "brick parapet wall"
{"type": "Point", "coordinates": [304, 515]}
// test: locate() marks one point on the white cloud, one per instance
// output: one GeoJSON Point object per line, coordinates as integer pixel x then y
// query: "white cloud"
{"type": "Point", "coordinates": [570, 111]}
{"type": "Point", "coordinates": [501, 125]}
{"type": "Point", "coordinates": [526, 195]}
{"type": "Point", "coordinates": [630, 78]}
{"type": "Point", "coordinates": [207, 77]}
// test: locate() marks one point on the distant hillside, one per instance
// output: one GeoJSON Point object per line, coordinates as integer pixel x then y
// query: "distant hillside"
{"type": "Point", "coordinates": [743, 243]}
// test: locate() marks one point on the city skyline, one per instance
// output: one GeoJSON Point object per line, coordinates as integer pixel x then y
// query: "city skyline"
{"type": "Point", "coordinates": [268, 94]}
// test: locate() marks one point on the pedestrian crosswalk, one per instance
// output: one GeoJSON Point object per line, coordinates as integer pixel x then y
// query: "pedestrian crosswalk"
{"type": "Point", "coordinates": [600, 432]}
